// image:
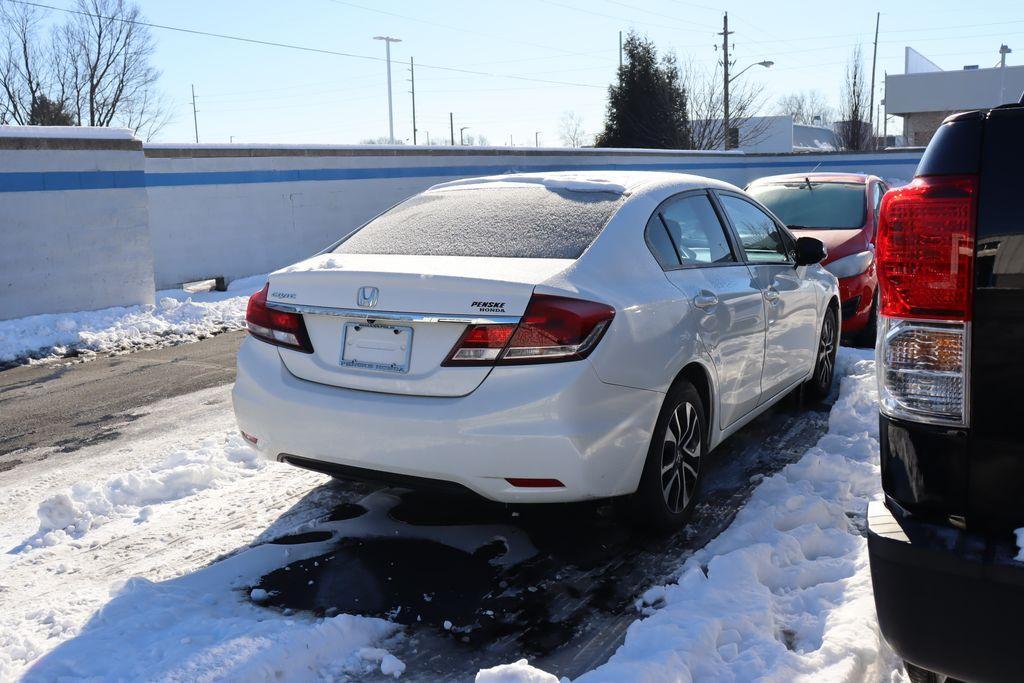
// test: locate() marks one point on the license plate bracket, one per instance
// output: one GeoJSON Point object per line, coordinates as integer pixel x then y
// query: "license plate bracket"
{"type": "Point", "coordinates": [369, 346]}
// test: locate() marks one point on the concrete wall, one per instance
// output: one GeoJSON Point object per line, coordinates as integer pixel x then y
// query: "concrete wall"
{"type": "Point", "coordinates": [88, 219]}
{"type": "Point", "coordinates": [234, 211]}
{"type": "Point", "coordinates": [74, 228]}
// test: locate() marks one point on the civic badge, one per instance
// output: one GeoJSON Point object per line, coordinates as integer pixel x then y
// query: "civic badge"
{"type": "Point", "coordinates": [367, 297]}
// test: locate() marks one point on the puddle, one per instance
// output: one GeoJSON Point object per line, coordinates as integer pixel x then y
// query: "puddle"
{"type": "Point", "coordinates": [407, 580]}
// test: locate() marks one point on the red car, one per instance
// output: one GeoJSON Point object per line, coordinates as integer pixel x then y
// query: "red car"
{"type": "Point", "coordinates": [841, 210]}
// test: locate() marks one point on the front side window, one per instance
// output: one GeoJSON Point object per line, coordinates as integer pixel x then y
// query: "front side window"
{"type": "Point", "coordinates": [686, 231]}
{"type": "Point", "coordinates": [761, 238]}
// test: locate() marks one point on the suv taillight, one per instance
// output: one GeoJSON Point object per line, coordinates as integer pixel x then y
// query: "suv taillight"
{"type": "Point", "coordinates": [276, 327]}
{"type": "Point", "coordinates": [553, 329]}
{"type": "Point", "coordinates": [925, 255]}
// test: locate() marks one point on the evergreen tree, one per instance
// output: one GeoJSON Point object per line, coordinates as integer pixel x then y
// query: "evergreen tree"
{"type": "Point", "coordinates": [46, 112]}
{"type": "Point", "coordinates": [647, 106]}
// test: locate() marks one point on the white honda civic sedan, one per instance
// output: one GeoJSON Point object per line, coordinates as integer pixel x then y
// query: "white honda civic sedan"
{"type": "Point", "coordinates": [538, 338]}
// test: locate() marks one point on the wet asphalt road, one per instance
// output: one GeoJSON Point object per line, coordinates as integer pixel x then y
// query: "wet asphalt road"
{"type": "Point", "coordinates": [62, 406]}
{"type": "Point", "coordinates": [555, 584]}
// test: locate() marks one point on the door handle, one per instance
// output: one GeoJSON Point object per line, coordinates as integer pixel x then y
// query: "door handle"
{"type": "Point", "coordinates": [705, 301]}
{"type": "Point", "coordinates": [771, 294]}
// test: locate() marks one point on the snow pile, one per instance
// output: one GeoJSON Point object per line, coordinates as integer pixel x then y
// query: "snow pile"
{"type": "Point", "coordinates": [178, 317]}
{"type": "Point", "coordinates": [1019, 533]}
{"type": "Point", "coordinates": [163, 589]}
{"type": "Point", "coordinates": [89, 505]}
{"type": "Point", "coordinates": [785, 592]}
{"type": "Point", "coordinates": [517, 672]}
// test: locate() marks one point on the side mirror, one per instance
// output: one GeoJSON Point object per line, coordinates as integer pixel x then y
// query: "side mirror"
{"type": "Point", "coordinates": [809, 251]}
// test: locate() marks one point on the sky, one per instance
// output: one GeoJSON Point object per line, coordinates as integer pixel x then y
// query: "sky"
{"type": "Point", "coordinates": [537, 59]}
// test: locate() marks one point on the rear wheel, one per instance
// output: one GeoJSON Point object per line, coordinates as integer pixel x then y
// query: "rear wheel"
{"type": "Point", "coordinates": [820, 383]}
{"type": "Point", "coordinates": [672, 473]}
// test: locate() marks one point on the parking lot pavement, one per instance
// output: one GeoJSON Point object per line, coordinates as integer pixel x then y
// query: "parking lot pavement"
{"type": "Point", "coordinates": [56, 408]}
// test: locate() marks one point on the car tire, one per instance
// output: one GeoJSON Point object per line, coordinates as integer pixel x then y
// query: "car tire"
{"type": "Point", "coordinates": [866, 338]}
{"type": "Point", "coordinates": [674, 468]}
{"type": "Point", "coordinates": [820, 383]}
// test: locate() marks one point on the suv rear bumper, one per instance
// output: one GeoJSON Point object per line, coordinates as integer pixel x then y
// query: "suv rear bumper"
{"type": "Point", "coordinates": [949, 601]}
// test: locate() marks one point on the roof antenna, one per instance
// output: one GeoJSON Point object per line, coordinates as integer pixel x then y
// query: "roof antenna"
{"type": "Point", "coordinates": [807, 178]}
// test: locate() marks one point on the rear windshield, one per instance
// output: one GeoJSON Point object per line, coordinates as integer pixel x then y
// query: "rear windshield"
{"type": "Point", "coordinates": [518, 222]}
{"type": "Point", "coordinates": [835, 206]}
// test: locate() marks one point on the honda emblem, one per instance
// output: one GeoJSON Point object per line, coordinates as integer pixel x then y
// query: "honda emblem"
{"type": "Point", "coordinates": [367, 297]}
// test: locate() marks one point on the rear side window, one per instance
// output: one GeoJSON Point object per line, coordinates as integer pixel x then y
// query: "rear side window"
{"type": "Point", "coordinates": [686, 231]}
{"type": "Point", "coordinates": [761, 238]}
{"type": "Point", "coordinates": [518, 222]}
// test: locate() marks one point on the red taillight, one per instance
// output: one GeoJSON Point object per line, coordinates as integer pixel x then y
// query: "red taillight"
{"type": "Point", "coordinates": [276, 327]}
{"type": "Point", "coordinates": [553, 329]}
{"type": "Point", "coordinates": [925, 248]}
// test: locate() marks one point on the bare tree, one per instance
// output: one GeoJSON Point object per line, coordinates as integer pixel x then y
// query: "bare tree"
{"type": "Point", "coordinates": [570, 129]}
{"type": "Point", "coordinates": [96, 67]}
{"type": "Point", "coordinates": [807, 106]}
{"type": "Point", "coordinates": [108, 67]}
{"type": "Point", "coordinates": [22, 66]}
{"type": "Point", "coordinates": [707, 130]}
{"type": "Point", "coordinates": [853, 131]}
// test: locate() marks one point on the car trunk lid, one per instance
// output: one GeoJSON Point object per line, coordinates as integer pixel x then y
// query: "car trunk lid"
{"type": "Point", "coordinates": [386, 323]}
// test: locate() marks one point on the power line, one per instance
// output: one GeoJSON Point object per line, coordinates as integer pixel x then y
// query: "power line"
{"type": "Point", "coordinates": [291, 46]}
{"type": "Point", "coordinates": [457, 28]}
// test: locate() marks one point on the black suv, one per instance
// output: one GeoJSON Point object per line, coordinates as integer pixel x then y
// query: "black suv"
{"type": "Point", "coordinates": [949, 593]}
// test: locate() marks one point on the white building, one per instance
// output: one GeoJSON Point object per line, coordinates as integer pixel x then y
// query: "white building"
{"type": "Point", "coordinates": [925, 94]}
{"type": "Point", "coordinates": [774, 134]}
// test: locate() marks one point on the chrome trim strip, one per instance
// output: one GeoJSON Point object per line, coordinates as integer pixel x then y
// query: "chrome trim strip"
{"type": "Point", "coordinates": [389, 315]}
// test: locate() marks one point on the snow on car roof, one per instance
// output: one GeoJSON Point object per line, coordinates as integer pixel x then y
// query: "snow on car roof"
{"type": "Point", "coordinates": [617, 182]}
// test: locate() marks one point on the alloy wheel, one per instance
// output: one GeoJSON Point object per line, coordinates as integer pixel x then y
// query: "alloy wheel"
{"type": "Point", "coordinates": [680, 457]}
{"type": "Point", "coordinates": [826, 351]}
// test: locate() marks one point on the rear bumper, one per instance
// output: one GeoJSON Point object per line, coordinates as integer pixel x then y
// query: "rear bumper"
{"type": "Point", "coordinates": [948, 600]}
{"type": "Point", "coordinates": [555, 421]}
{"type": "Point", "coordinates": [857, 297]}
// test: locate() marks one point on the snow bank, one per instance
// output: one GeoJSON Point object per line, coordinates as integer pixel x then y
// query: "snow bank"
{"type": "Point", "coordinates": [517, 672]}
{"type": "Point", "coordinates": [177, 317]}
{"type": "Point", "coordinates": [89, 505]}
{"type": "Point", "coordinates": [785, 592]}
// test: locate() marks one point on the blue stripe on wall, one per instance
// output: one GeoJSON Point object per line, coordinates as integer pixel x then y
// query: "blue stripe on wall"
{"type": "Point", "coordinates": [101, 180]}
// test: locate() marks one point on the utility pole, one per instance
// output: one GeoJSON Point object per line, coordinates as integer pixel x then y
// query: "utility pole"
{"type": "Point", "coordinates": [725, 67]}
{"type": "Point", "coordinates": [620, 49]}
{"type": "Point", "coordinates": [451, 127]}
{"type": "Point", "coordinates": [391, 118]}
{"type": "Point", "coordinates": [874, 60]}
{"type": "Point", "coordinates": [195, 112]}
{"type": "Point", "coordinates": [412, 79]}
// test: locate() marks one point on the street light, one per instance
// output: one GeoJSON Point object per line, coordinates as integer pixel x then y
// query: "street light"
{"type": "Point", "coordinates": [391, 118]}
{"type": "Point", "coordinates": [460, 134]}
{"type": "Point", "coordinates": [725, 96]}
{"type": "Point", "coordinates": [766, 64]}
{"type": "Point", "coordinates": [536, 138]}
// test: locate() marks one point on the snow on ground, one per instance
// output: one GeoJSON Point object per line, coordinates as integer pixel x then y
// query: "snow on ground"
{"type": "Point", "coordinates": [784, 594]}
{"type": "Point", "coordinates": [177, 317]}
{"type": "Point", "coordinates": [106, 566]}
{"type": "Point", "coordinates": [139, 559]}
